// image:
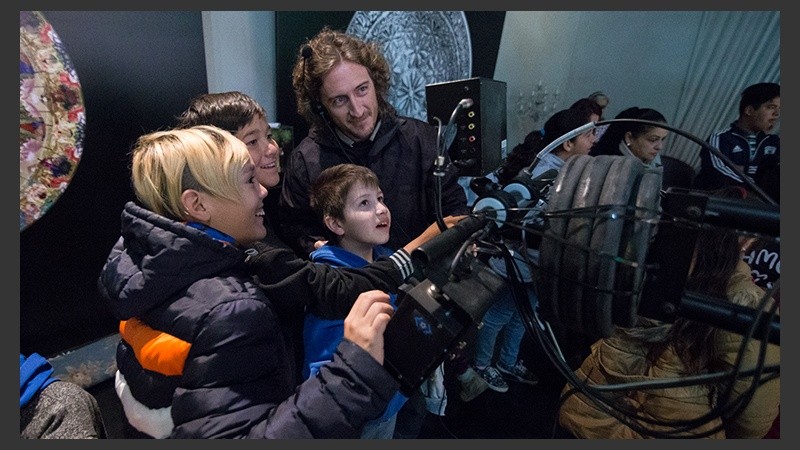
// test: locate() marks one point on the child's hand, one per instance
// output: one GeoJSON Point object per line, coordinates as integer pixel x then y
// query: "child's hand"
{"type": "Point", "coordinates": [431, 232]}
{"type": "Point", "coordinates": [367, 320]}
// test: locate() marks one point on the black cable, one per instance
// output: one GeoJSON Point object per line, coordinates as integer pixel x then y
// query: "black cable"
{"type": "Point", "coordinates": [438, 173]}
{"type": "Point", "coordinates": [439, 164]}
{"type": "Point", "coordinates": [728, 403]}
{"type": "Point", "coordinates": [598, 394]}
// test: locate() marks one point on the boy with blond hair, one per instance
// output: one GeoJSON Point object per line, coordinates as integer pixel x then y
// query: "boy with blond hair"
{"type": "Point", "coordinates": [179, 267]}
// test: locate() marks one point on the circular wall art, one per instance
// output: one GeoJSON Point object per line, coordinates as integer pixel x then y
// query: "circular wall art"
{"type": "Point", "coordinates": [422, 47]}
{"type": "Point", "coordinates": [51, 117]}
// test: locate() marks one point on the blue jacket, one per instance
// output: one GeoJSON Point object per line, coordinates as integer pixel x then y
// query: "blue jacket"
{"type": "Point", "coordinates": [35, 374]}
{"type": "Point", "coordinates": [238, 379]}
{"type": "Point", "coordinates": [321, 336]}
{"type": "Point", "coordinates": [732, 142]}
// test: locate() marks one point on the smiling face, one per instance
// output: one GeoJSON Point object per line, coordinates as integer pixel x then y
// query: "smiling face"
{"type": "Point", "coordinates": [366, 221]}
{"type": "Point", "coordinates": [348, 94]}
{"type": "Point", "coordinates": [264, 150]}
{"type": "Point", "coordinates": [646, 146]}
{"type": "Point", "coordinates": [242, 220]}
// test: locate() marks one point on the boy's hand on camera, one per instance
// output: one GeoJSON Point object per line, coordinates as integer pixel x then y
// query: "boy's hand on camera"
{"type": "Point", "coordinates": [431, 232]}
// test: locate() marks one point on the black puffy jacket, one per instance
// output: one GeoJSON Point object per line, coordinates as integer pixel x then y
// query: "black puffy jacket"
{"type": "Point", "coordinates": [238, 378]}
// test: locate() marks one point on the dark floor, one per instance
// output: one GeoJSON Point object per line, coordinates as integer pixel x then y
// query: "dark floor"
{"type": "Point", "coordinates": [524, 412]}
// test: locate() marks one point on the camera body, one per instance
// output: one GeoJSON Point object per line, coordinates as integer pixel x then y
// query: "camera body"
{"type": "Point", "coordinates": [434, 315]}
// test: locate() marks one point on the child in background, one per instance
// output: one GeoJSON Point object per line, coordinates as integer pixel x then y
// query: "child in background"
{"type": "Point", "coordinates": [748, 142]}
{"type": "Point", "coordinates": [50, 408]}
{"type": "Point", "coordinates": [503, 318]}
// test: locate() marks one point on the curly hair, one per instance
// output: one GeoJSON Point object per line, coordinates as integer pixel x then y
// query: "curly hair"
{"type": "Point", "coordinates": [319, 56]}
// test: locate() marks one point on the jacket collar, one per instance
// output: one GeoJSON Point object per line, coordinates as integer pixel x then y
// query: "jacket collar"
{"type": "Point", "coordinates": [350, 143]}
{"type": "Point", "coordinates": [744, 133]}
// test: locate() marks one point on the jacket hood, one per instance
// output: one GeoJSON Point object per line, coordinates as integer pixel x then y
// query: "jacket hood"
{"type": "Point", "coordinates": [156, 258]}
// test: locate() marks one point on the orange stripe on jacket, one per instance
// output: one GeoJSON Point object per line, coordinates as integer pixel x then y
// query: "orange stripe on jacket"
{"type": "Point", "coordinates": [156, 350]}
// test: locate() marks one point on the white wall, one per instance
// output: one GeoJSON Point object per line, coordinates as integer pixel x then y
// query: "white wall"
{"type": "Point", "coordinates": [240, 54]}
{"type": "Point", "coordinates": [638, 58]}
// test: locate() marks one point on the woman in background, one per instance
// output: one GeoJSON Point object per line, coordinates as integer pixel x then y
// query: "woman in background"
{"type": "Point", "coordinates": [658, 351]}
{"type": "Point", "coordinates": [635, 139]}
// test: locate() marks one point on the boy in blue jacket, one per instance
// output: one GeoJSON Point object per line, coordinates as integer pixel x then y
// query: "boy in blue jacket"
{"type": "Point", "coordinates": [349, 200]}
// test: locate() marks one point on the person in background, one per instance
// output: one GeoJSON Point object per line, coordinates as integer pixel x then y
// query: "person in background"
{"type": "Point", "coordinates": [602, 101]}
{"type": "Point", "coordinates": [589, 107]}
{"type": "Point", "coordinates": [657, 351]}
{"type": "Point", "coordinates": [50, 408]}
{"type": "Point", "coordinates": [519, 158]}
{"type": "Point", "coordinates": [201, 208]}
{"type": "Point", "coordinates": [341, 86]}
{"type": "Point", "coordinates": [746, 142]}
{"type": "Point", "coordinates": [640, 140]}
{"type": "Point", "coordinates": [523, 154]}
{"type": "Point", "coordinates": [764, 256]}
{"type": "Point", "coordinates": [503, 315]}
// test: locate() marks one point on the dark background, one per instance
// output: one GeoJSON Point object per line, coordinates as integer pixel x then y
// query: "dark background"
{"type": "Point", "coordinates": [294, 28]}
{"type": "Point", "coordinates": [138, 71]}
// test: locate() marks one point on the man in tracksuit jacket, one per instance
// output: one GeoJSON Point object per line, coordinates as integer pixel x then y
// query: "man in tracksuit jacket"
{"type": "Point", "coordinates": [747, 141]}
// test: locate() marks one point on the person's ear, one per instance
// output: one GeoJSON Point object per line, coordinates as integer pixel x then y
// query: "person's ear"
{"type": "Point", "coordinates": [334, 225]}
{"type": "Point", "coordinates": [568, 145]}
{"type": "Point", "coordinates": [627, 138]}
{"type": "Point", "coordinates": [194, 206]}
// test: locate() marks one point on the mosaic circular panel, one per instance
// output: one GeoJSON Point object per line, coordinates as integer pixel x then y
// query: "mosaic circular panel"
{"type": "Point", "coordinates": [51, 117]}
{"type": "Point", "coordinates": [422, 47]}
